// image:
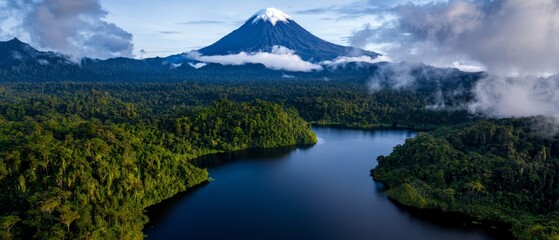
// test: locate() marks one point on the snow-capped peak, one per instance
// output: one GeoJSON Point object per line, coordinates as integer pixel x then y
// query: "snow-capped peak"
{"type": "Point", "coordinates": [271, 15]}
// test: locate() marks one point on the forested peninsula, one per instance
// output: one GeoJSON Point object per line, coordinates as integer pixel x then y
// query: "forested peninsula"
{"type": "Point", "coordinates": [86, 165]}
{"type": "Point", "coordinates": [505, 171]}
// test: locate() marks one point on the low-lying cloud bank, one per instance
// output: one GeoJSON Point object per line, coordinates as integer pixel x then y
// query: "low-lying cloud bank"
{"type": "Point", "coordinates": [499, 96]}
{"type": "Point", "coordinates": [447, 85]}
{"type": "Point", "coordinates": [393, 76]}
{"type": "Point", "coordinates": [363, 59]}
{"type": "Point", "coordinates": [281, 58]}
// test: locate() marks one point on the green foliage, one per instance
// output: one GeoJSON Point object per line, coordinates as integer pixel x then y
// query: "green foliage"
{"type": "Point", "coordinates": [6, 225]}
{"type": "Point", "coordinates": [341, 101]}
{"type": "Point", "coordinates": [230, 126]}
{"type": "Point", "coordinates": [82, 160]}
{"type": "Point", "coordinates": [408, 195]}
{"type": "Point", "coordinates": [500, 171]}
{"type": "Point", "coordinates": [84, 166]}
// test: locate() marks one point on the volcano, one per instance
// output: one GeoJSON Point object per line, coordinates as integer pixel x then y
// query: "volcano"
{"type": "Point", "coordinates": [269, 29]}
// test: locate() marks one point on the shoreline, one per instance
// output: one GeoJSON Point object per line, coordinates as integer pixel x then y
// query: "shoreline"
{"type": "Point", "coordinates": [452, 218]}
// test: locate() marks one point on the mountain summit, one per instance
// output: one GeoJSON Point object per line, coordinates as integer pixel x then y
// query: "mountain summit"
{"type": "Point", "coordinates": [271, 15]}
{"type": "Point", "coordinates": [269, 28]}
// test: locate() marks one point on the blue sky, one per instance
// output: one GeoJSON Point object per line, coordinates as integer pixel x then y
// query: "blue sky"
{"type": "Point", "coordinates": [142, 28]}
{"type": "Point", "coordinates": [172, 26]}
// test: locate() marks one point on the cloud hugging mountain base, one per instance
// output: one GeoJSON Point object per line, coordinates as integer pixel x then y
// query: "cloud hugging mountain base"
{"type": "Point", "coordinates": [270, 29]}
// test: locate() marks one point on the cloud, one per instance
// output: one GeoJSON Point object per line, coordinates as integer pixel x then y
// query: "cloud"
{"type": "Point", "coordinates": [546, 127]}
{"type": "Point", "coordinates": [202, 22]}
{"type": "Point", "coordinates": [468, 66]}
{"type": "Point", "coordinates": [504, 35]}
{"type": "Point", "coordinates": [281, 58]}
{"type": "Point", "coordinates": [347, 11]}
{"type": "Point", "coordinates": [169, 32]}
{"type": "Point", "coordinates": [197, 65]}
{"type": "Point", "coordinates": [354, 9]}
{"type": "Point", "coordinates": [76, 28]}
{"type": "Point", "coordinates": [3, 18]}
{"type": "Point", "coordinates": [400, 44]}
{"type": "Point", "coordinates": [287, 76]}
{"type": "Point", "coordinates": [499, 96]}
{"type": "Point", "coordinates": [515, 41]}
{"type": "Point", "coordinates": [358, 8]}
{"type": "Point", "coordinates": [363, 59]}
{"type": "Point", "coordinates": [315, 11]}
{"type": "Point", "coordinates": [361, 38]}
{"type": "Point", "coordinates": [427, 81]}
{"type": "Point", "coordinates": [394, 76]}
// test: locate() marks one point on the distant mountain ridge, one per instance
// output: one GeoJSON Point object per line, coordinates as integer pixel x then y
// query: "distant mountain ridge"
{"type": "Point", "coordinates": [264, 31]}
{"type": "Point", "coordinates": [21, 62]}
{"type": "Point", "coordinates": [15, 52]}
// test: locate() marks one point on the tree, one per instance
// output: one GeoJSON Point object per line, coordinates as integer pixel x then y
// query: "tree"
{"type": "Point", "coordinates": [6, 225]}
{"type": "Point", "coordinates": [67, 216]}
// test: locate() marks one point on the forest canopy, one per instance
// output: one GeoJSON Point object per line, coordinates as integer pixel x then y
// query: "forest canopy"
{"type": "Point", "coordinates": [503, 171]}
{"type": "Point", "coordinates": [86, 165]}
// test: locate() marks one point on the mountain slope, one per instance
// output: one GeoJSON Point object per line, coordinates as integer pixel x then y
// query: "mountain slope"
{"type": "Point", "coordinates": [271, 27]}
{"type": "Point", "coordinates": [15, 52]}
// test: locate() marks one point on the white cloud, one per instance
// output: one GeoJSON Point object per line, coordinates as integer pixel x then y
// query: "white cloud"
{"type": "Point", "coordinates": [504, 35]}
{"type": "Point", "coordinates": [468, 66]}
{"type": "Point", "coordinates": [499, 96]}
{"type": "Point", "coordinates": [287, 76]}
{"type": "Point", "coordinates": [76, 28]}
{"type": "Point", "coordinates": [513, 40]}
{"type": "Point", "coordinates": [281, 58]}
{"type": "Point", "coordinates": [365, 59]}
{"type": "Point", "coordinates": [43, 62]}
{"type": "Point", "coordinates": [394, 76]}
{"type": "Point", "coordinates": [197, 65]}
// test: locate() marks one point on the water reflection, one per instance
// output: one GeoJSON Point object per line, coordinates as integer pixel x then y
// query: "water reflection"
{"type": "Point", "coordinates": [158, 212]}
{"type": "Point", "coordinates": [446, 220]}
{"type": "Point", "coordinates": [455, 221]}
{"type": "Point", "coordinates": [322, 192]}
{"type": "Point", "coordinates": [258, 154]}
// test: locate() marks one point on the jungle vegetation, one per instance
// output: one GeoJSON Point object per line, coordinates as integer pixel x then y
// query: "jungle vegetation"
{"type": "Point", "coordinates": [505, 171]}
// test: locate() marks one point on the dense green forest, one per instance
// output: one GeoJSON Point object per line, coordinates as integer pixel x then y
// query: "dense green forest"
{"type": "Point", "coordinates": [505, 171]}
{"type": "Point", "coordinates": [344, 102]}
{"type": "Point", "coordinates": [84, 164]}
{"type": "Point", "coordinates": [82, 160]}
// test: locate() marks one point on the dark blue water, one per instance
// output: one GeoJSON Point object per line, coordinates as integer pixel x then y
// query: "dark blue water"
{"type": "Point", "coordinates": [322, 192]}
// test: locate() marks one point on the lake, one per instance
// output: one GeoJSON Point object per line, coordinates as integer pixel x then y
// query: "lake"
{"type": "Point", "coordinates": [321, 192]}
